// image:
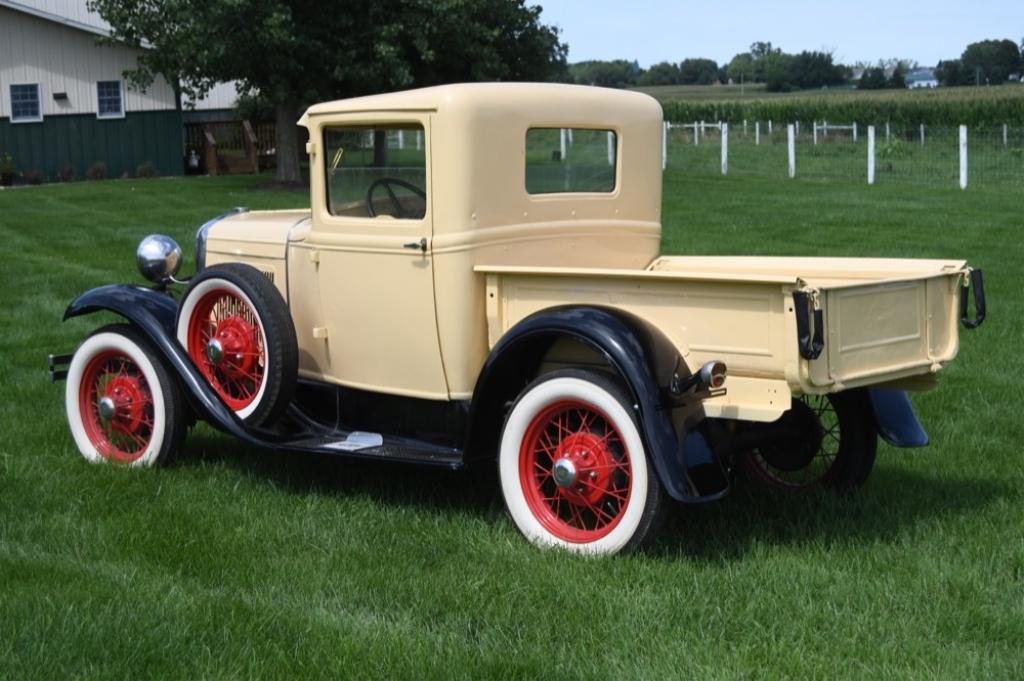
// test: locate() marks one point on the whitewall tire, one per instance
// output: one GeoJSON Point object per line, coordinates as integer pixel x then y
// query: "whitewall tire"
{"type": "Point", "coordinates": [573, 467]}
{"type": "Point", "coordinates": [122, 404]}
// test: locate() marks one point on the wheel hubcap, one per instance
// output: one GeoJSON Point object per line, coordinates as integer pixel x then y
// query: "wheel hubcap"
{"type": "Point", "coordinates": [215, 351]}
{"type": "Point", "coordinates": [107, 408]}
{"type": "Point", "coordinates": [564, 473]}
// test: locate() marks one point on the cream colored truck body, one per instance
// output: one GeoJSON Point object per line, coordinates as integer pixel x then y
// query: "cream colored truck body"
{"type": "Point", "coordinates": [371, 313]}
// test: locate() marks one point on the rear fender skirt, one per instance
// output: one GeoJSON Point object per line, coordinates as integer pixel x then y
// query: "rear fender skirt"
{"type": "Point", "coordinates": [154, 313]}
{"type": "Point", "coordinates": [895, 418]}
{"type": "Point", "coordinates": [640, 354]}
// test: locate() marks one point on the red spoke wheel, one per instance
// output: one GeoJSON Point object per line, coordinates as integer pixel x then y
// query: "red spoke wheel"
{"type": "Point", "coordinates": [122, 405]}
{"type": "Point", "coordinates": [832, 444]}
{"type": "Point", "coordinates": [573, 468]}
{"type": "Point", "coordinates": [236, 328]}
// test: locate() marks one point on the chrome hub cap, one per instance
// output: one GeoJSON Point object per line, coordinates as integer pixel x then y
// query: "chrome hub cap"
{"type": "Point", "coordinates": [215, 351]}
{"type": "Point", "coordinates": [107, 408]}
{"type": "Point", "coordinates": [564, 473]}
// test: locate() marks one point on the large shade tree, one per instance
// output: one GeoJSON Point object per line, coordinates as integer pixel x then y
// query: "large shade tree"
{"type": "Point", "coordinates": [290, 53]}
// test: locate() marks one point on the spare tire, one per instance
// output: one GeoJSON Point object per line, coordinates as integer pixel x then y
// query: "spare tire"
{"type": "Point", "coordinates": [235, 326]}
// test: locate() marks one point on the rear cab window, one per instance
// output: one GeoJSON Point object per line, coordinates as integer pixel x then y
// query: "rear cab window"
{"type": "Point", "coordinates": [570, 160]}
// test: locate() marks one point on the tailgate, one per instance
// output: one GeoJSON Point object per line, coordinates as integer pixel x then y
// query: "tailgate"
{"type": "Point", "coordinates": [886, 330]}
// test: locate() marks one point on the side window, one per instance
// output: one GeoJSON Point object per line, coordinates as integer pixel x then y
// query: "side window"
{"type": "Point", "coordinates": [25, 105]}
{"type": "Point", "coordinates": [570, 160]}
{"type": "Point", "coordinates": [376, 171]}
{"type": "Point", "coordinates": [109, 101]}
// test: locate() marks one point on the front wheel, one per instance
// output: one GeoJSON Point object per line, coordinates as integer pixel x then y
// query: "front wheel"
{"type": "Point", "coordinates": [122, 404]}
{"type": "Point", "coordinates": [573, 468]}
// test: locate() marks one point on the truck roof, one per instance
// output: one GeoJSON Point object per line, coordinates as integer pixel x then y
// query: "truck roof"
{"type": "Point", "coordinates": [513, 96]}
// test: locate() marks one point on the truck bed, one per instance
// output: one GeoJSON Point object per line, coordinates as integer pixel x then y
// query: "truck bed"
{"type": "Point", "coordinates": [882, 319]}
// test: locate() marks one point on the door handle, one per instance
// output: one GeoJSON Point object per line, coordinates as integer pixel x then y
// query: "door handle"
{"type": "Point", "coordinates": [420, 245]}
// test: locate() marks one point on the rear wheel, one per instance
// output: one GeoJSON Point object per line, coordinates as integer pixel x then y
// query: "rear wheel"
{"type": "Point", "coordinates": [833, 445]}
{"type": "Point", "coordinates": [236, 328]}
{"type": "Point", "coordinates": [574, 472]}
{"type": "Point", "coordinates": [123, 406]}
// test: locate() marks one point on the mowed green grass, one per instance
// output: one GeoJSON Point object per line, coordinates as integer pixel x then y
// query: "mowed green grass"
{"type": "Point", "coordinates": [242, 563]}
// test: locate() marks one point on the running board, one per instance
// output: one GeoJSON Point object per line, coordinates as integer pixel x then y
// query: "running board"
{"type": "Point", "coordinates": [377, 447]}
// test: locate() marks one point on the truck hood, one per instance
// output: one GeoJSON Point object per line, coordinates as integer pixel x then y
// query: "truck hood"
{"type": "Point", "coordinates": [262, 234]}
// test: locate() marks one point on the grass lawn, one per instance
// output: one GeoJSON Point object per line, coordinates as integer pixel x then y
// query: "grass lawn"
{"type": "Point", "coordinates": [239, 563]}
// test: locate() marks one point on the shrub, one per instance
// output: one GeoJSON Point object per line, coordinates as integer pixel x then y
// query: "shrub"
{"type": "Point", "coordinates": [34, 177]}
{"type": "Point", "coordinates": [147, 169]}
{"type": "Point", "coordinates": [8, 171]}
{"type": "Point", "coordinates": [97, 171]}
{"type": "Point", "coordinates": [66, 173]}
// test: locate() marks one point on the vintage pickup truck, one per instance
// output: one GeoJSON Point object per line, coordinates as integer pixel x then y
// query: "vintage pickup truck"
{"type": "Point", "coordinates": [478, 279]}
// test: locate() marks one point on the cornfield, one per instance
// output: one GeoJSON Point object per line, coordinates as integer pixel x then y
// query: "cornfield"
{"type": "Point", "coordinates": [972, 106]}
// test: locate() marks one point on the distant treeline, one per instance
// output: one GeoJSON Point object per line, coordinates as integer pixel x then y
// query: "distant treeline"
{"type": "Point", "coordinates": [986, 62]}
{"type": "Point", "coordinates": [977, 107]}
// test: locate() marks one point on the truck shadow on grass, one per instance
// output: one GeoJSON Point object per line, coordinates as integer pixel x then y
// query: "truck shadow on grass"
{"type": "Point", "coordinates": [894, 501]}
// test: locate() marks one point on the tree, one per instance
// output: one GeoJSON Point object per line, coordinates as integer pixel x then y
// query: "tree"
{"type": "Point", "coordinates": [815, 70]}
{"type": "Point", "coordinates": [289, 53]}
{"type": "Point", "coordinates": [873, 79]}
{"type": "Point", "coordinates": [950, 72]}
{"type": "Point", "coordinates": [741, 68]}
{"type": "Point", "coordinates": [991, 61]}
{"type": "Point", "coordinates": [698, 72]}
{"type": "Point", "coordinates": [662, 73]}
{"type": "Point", "coordinates": [897, 81]}
{"type": "Point", "coordinates": [619, 73]}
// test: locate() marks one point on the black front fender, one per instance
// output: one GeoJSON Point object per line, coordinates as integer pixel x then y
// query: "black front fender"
{"type": "Point", "coordinates": [641, 355]}
{"type": "Point", "coordinates": [155, 314]}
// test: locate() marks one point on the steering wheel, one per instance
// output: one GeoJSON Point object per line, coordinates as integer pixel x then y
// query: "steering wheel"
{"type": "Point", "coordinates": [387, 183]}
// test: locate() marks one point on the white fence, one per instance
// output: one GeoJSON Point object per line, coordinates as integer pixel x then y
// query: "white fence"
{"type": "Point", "coordinates": [916, 154]}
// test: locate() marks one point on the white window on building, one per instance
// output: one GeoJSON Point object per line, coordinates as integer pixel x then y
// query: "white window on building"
{"type": "Point", "coordinates": [109, 102]}
{"type": "Point", "coordinates": [25, 104]}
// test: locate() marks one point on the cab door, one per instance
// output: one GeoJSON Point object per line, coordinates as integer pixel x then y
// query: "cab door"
{"type": "Point", "coordinates": [370, 248]}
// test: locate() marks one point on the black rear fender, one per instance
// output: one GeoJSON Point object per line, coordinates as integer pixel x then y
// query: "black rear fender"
{"type": "Point", "coordinates": [639, 354]}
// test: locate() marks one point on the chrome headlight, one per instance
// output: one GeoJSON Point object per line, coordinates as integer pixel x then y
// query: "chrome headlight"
{"type": "Point", "coordinates": [159, 258]}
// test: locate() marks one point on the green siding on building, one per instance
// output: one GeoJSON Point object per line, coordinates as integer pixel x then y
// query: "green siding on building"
{"type": "Point", "coordinates": [80, 141]}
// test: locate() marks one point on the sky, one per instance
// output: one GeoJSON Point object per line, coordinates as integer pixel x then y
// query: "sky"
{"type": "Point", "coordinates": [651, 31]}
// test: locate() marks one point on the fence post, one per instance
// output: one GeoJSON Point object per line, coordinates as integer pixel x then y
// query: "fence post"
{"type": "Point", "coordinates": [725, 148]}
{"type": "Point", "coordinates": [963, 157]}
{"type": "Point", "coordinates": [922, 134]}
{"type": "Point", "coordinates": [696, 135]}
{"type": "Point", "coordinates": [569, 135]}
{"type": "Point", "coordinates": [798, 128]}
{"type": "Point", "coordinates": [401, 140]}
{"type": "Point", "coordinates": [664, 145]}
{"type": "Point", "coordinates": [871, 154]}
{"type": "Point", "coordinates": [744, 127]}
{"type": "Point", "coordinates": [611, 150]}
{"type": "Point", "coordinates": [769, 126]}
{"type": "Point", "coordinates": [1005, 137]}
{"type": "Point", "coordinates": [561, 143]}
{"type": "Point", "coordinates": [887, 131]}
{"type": "Point", "coordinates": [757, 133]}
{"type": "Point", "coordinates": [792, 149]}
{"type": "Point", "coordinates": [824, 129]}
{"type": "Point", "coordinates": [815, 133]}
{"type": "Point", "coordinates": [855, 131]}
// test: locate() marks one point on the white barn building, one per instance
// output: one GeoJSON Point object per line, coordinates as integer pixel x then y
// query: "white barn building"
{"type": "Point", "coordinates": [64, 104]}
